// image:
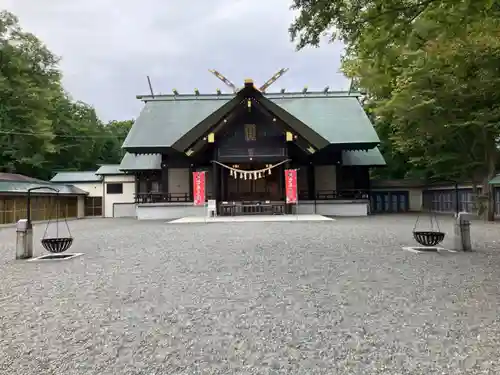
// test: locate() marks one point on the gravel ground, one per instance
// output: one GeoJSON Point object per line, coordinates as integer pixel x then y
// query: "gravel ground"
{"type": "Point", "coordinates": [251, 298]}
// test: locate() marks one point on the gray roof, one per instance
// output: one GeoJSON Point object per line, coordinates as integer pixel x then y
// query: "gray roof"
{"type": "Point", "coordinates": [109, 169]}
{"type": "Point", "coordinates": [338, 118]}
{"type": "Point", "coordinates": [371, 157]}
{"type": "Point", "coordinates": [12, 187]}
{"type": "Point", "coordinates": [72, 177]}
{"type": "Point", "coordinates": [134, 162]}
{"type": "Point", "coordinates": [18, 178]}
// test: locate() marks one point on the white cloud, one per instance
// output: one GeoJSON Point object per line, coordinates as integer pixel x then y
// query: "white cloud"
{"type": "Point", "coordinates": [109, 47]}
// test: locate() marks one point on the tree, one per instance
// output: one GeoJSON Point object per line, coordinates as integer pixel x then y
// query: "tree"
{"type": "Point", "coordinates": [42, 129]}
{"type": "Point", "coordinates": [445, 106]}
{"type": "Point", "coordinates": [430, 69]}
{"type": "Point", "coordinates": [28, 82]}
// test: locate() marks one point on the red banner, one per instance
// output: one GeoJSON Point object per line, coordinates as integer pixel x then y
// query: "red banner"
{"type": "Point", "coordinates": [291, 185]}
{"type": "Point", "coordinates": [199, 188]}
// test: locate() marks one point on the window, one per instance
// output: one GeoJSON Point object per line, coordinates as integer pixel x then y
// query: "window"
{"type": "Point", "coordinates": [93, 206]}
{"type": "Point", "coordinates": [114, 188]}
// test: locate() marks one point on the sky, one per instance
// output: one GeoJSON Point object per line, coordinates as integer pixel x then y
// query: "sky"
{"type": "Point", "coordinates": [108, 47]}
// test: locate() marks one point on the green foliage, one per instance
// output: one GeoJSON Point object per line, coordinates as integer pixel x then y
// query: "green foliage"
{"type": "Point", "coordinates": [431, 69]}
{"type": "Point", "coordinates": [41, 128]}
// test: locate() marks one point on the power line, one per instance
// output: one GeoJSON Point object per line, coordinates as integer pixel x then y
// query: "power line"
{"type": "Point", "coordinates": [59, 135]}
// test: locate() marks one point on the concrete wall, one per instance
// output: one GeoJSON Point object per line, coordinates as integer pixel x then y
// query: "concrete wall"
{"type": "Point", "coordinates": [124, 210]}
{"type": "Point", "coordinates": [93, 188]}
{"type": "Point", "coordinates": [127, 196]}
{"type": "Point", "coordinates": [325, 177]}
{"type": "Point", "coordinates": [333, 208]}
{"type": "Point", "coordinates": [80, 208]}
{"type": "Point", "coordinates": [168, 211]}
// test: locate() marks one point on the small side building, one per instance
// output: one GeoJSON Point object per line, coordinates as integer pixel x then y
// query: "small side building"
{"type": "Point", "coordinates": [87, 181]}
{"type": "Point", "coordinates": [45, 204]}
{"type": "Point", "coordinates": [118, 199]}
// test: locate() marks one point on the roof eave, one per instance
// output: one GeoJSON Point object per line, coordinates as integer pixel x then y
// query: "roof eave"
{"type": "Point", "coordinates": [76, 182]}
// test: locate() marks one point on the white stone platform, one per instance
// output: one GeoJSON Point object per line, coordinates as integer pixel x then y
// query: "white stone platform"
{"type": "Point", "coordinates": [248, 218]}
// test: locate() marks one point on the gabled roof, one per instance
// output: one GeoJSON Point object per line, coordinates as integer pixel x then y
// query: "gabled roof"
{"type": "Point", "coordinates": [321, 118]}
{"type": "Point", "coordinates": [73, 177]}
{"type": "Point", "coordinates": [109, 169]}
{"type": "Point", "coordinates": [368, 158]}
{"type": "Point", "coordinates": [141, 162]}
{"type": "Point", "coordinates": [164, 121]}
{"type": "Point", "coordinates": [338, 119]}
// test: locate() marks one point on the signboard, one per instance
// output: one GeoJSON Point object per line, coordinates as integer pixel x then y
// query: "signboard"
{"type": "Point", "coordinates": [291, 185]}
{"type": "Point", "coordinates": [199, 188]}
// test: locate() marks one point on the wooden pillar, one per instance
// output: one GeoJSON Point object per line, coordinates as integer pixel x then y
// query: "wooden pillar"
{"type": "Point", "coordinates": [137, 186]}
{"type": "Point", "coordinates": [223, 184]}
{"type": "Point", "coordinates": [215, 177]}
{"type": "Point", "coordinates": [215, 180]}
{"type": "Point", "coordinates": [191, 193]}
{"type": "Point", "coordinates": [164, 177]}
{"type": "Point", "coordinates": [311, 182]}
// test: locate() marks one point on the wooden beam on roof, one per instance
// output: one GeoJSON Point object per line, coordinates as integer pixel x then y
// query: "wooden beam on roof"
{"type": "Point", "coordinates": [201, 142]}
{"type": "Point", "coordinates": [206, 125]}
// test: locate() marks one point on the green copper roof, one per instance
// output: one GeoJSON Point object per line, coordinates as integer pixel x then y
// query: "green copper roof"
{"type": "Point", "coordinates": [371, 157]}
{"type": "Point", "coordinates": [134, 162]}
{"type": "Point", "coordinates": [495, 180]}
{"type": "Point", "coordinates": [72, 177]}
{"type": "Point", "coordinates": [336, 118]}
{"type": "Point", "coordinates": [162, 122]}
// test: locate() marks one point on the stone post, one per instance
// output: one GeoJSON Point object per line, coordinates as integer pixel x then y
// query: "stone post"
{"type": "Point", "coordinates": [462, 240]}
{"type": "Point", "coordinates": [24, 240]}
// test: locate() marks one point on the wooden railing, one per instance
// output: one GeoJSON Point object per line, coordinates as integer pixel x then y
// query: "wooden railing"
{"type": "Point", "coordinates": [303, 195]}
{"type": "Point", "coordinates": [162, 197]}
{"type": "Point", "coordinates": [251, 208]}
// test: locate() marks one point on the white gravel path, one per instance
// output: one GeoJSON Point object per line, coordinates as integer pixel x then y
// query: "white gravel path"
{"type": "Point", "coordinates": [337, 297]}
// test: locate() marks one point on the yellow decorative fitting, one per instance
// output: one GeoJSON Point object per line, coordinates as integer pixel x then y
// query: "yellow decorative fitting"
{"type": "Point", "coordinates": [249, 80]}
{"type": "Point", "coordinates": [189, 152]}
{"type": "Point", "coordinates": [311, 150]}
{"type": "Point", "coordinates": [289, 137]}
{"type": "Point", "coordinates": [249, 103]}
{"type": "Point", "coordinates": [211, 138]}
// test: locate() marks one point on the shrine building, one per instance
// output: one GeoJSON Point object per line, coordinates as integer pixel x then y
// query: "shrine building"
{"type": "Point", "coordinates": [244, 141]}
